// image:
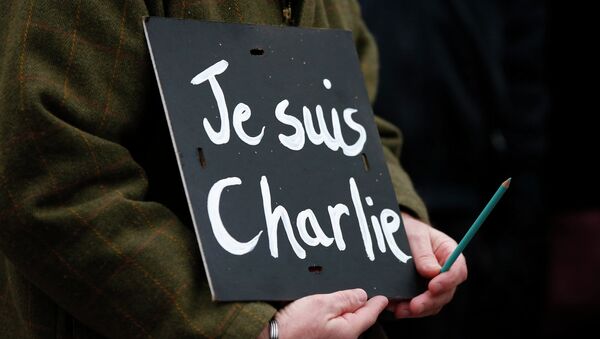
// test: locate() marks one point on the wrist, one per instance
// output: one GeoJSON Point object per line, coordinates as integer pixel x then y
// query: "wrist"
{"type": "Point", "coordinates": [264, 334]}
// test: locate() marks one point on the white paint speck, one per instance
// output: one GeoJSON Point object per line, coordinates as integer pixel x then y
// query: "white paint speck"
{"type": "Point", "coordinates": [327, 83]}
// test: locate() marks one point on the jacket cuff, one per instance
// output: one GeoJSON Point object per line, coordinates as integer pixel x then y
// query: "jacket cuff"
{"type": "Point", "coordinates": [249, 320]}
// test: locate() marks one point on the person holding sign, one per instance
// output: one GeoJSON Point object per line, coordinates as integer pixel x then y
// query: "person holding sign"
{"type": "Point", "coordinates": [96, 239]}
{"type": "Point", "coordinates": [346, 314]}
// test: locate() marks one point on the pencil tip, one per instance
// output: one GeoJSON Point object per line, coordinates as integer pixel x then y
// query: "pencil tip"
{"type": "Point", "coordinates": [506, 183]}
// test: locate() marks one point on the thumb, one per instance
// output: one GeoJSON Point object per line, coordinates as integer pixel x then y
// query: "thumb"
{"type": "Point", "coordinates": [366, 316]}
{"type": "Point", "coordinates": [346, 301]}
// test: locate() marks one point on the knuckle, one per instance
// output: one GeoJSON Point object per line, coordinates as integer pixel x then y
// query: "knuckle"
{"type": "Point", "coordinates": [350, 298]}
{"type": "Point", "coordinates": [448, 244]}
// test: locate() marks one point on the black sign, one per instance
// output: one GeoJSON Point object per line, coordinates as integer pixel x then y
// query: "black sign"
{"type": "Point", "coordinates": [281, 160]}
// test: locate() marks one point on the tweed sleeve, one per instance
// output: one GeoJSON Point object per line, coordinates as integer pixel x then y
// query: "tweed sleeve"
{"type": "Point", "coordinates": [391, 136]}
{"type": "Point", "coordinates": [75, 218]}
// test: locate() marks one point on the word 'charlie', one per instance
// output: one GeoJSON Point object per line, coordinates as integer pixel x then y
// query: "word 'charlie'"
{"type": "Point", "coordinates": [383, 226]}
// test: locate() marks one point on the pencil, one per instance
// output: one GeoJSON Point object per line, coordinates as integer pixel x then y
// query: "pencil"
{"type": "Point", "coordinates": [475, 227]}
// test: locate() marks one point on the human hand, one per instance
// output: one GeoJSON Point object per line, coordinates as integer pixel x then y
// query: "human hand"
{"type": "Point", "coordinates": [430, 249]}
{"type": "Point", "coordinates": [343, 314]}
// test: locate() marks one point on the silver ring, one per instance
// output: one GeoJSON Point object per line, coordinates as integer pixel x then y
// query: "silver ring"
{"type": "Point", "coordinates": [273, 329]}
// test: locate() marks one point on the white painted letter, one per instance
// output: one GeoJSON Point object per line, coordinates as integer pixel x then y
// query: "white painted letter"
{"type": "Point", "coordinates": [242, 113]}
{"type": "Point", "coordinates": [323, 135]}
{"type": "Point", "coordinates": [389, 227]}
{"type": "Point", "coordinates": [295, 141]}
{"type": "Point", "coordinates": [210, 74]}
{"type": "Point", "coordinates": [320, 237]}
{"type": "Point", "coordinates": [362, 219]}
{"type": "Point", "coordinates": [355, 149]}
{"type": "Point", "coordinates": [335, 213]}
{"type": "Point", "coordinates": [378, 234]}
{"type": "Point", "coordinates": [223, 237]}
{"type": "Point", "coordinates": [272, 218]}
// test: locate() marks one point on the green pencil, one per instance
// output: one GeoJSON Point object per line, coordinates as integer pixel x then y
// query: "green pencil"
{"type": "Point", "coordinates": [480, 219]}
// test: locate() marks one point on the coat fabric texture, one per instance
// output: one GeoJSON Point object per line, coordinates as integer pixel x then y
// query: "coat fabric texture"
{"type": "Point", "coordinates": [95, 234]}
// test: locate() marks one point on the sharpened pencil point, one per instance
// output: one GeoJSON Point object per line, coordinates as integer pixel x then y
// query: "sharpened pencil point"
{"type": "Point", "coordinates": [473, 229]}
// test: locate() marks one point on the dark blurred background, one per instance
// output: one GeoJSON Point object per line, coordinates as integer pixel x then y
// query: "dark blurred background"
{"type": "Point", "coordinates": [485, 90]}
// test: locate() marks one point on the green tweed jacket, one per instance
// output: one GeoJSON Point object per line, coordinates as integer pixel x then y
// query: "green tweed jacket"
{"type": "Point", "coordinates": [95, 235]}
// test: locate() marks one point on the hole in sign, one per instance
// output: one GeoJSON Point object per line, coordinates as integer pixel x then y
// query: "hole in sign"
{"type": "Point", "coordinates": [201, 157]}
{"type": "Point", "coordinates": [257, 51]}
{"type": "Point", "coordinates": [365, 161]}
{"type": "Point", "coordinates": [315, 269]}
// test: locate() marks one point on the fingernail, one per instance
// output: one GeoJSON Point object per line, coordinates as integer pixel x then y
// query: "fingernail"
{"type": "Point", "coordinates": [433, 267]}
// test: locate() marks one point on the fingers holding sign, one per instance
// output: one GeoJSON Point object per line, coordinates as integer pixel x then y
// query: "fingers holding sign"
{"type": "Point", "coordinates": [348, 313]}
{"type": "Point", "coordinates": [343, 314]}
{"type": "Point", "coordinates": [430, 249]}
